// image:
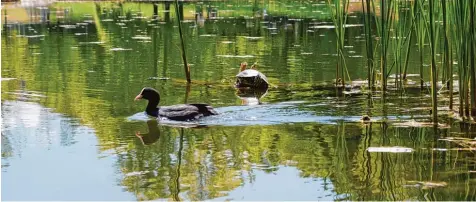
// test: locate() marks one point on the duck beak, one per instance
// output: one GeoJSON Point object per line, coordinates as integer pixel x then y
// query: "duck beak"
{"type": "Point", "coordinates": [138, 97]}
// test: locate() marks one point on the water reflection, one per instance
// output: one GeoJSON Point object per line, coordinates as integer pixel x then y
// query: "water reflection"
{"type": "Point", "coordinates": [152, 136]}
{"type": "Point", "coordinates": [51, 157]}
{"type": "Point", "coordinates": [249, 96]}
{"type": "Point", "coordinates": [333, 158]}
{"type": "Point", "coordinates": [265, 186]}
{"type": "Point", "coordinates": [304, 137]}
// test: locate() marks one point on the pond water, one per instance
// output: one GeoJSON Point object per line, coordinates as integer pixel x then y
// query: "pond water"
{"type": "Point", "coordinates": [71, 130]}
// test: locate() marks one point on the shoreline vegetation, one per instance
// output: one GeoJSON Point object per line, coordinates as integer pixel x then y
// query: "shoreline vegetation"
{"type": "Point", "coordinates": [442, 33]}
{"type": "Point", "coordinates": [71, 71]}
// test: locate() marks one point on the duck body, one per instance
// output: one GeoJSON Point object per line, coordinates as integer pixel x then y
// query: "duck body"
{"type": "Point", "coordinates": [185, 112]}
{"type": "Point", "coordinates": [251, 78]}
{"type": "Point", "coordinates": [180, 112]}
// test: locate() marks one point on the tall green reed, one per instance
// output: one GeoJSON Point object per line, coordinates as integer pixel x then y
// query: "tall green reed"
{"type": "Point", "coordinates": [434, 75]}
{"type": "Point", "coordinates": [472, 70]}
{"type": "Point", "coordinates": [384, 31]}
{"type": "Point", "coordinates": [430, 22]}
{"type": "Point", "coordinates": [339, 10]}
{"type": "Point", "coordinates": [460, 16]}
{"type": "Point", "coordinates": [421, 33]}
{"type": "Point", "coordinates": [402, 35]}
{"type": "Point", "coordinates": [370, 53]}
{"type": "Point", "coordinates": [447, 56]}
{"type": "Point", "coordinates": [184, 55]}
{"type": "Point", "coordinates": [369, 43]}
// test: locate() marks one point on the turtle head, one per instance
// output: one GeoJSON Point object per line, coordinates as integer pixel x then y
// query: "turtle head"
{"type": "Point", "coordinates": [254, 65]}
{"type": "Point", "coordinates": [243, 66]}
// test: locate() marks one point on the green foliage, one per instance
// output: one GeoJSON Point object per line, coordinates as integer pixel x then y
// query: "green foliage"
{"type": "Point", "coordinates": [97, 85]}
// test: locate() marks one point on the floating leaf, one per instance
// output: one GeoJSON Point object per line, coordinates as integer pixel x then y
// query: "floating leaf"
{"type": "Point", "coordinates": [7, 79]}
{"type": "Point", "coordinates": [426, 185]}
{"type": "Point", "coordinates": [236, 56]}
{"type": "Point", "coordinates": [120, 49]}
{"type": "Point", "coordinates": [158, 78]}
{"type": "Point", "coordinates": [208, 35]}
{"type": "Point", "coordinates": [141, 37]}
{"type": "Point", "coordinates": [416, 124]}
{"type": "Point", "coordinates": [33, 36]}
{"type": "Point", "coordinates": [467, 143]}
{"type": "Point", "coordinates": [332, 26]}
{"type": "Point", "coordinates": [68, 26]}
{"type": "Point", "coordinates": [253, 37]}
{"type": "Point", "coordinates": [91, 42]}
{"type": "Point", "coordinates": [390, 149]}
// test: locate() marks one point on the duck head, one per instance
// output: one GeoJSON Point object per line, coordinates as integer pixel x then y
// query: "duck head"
{"type": "Point", "coordinates": [153, 97]}
{"type": "Point", "coordinates": [243, 66]}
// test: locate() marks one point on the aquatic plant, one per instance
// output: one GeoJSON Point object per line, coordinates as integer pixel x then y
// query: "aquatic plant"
{"type": "Point", "coordinates": [402, 40]}
{"type": "Point", "coordinates": [184, 55]}
{"type": "Point", "coordinates": [430, 22]}
{"type": "Point", "coordinates": [447, 56]}
{"type": "Point", "coordinates": [421, 32]}
{"type": "Point", "coordinates": [434, 73]}
{"type": "Point", "coordinates": [369, 44]}
{"type": "Point", "coordinates": [339, 10]}
{"type": "Point", "coordinates": [462, 31]}
{"type": "Point", "coordinates": [472, 70]}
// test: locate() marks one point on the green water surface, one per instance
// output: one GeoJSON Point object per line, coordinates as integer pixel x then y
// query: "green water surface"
{"type": "Point", "coordinates": [70, 127]}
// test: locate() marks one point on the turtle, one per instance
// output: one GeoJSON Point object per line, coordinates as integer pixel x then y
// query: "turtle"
{"type": "Point", "coordinates": [251, 78]}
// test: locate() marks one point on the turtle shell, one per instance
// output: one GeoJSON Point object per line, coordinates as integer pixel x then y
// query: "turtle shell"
{"type": "Point", "coordinates": [248, 73]}
{"type": "Point", "coordinates": [252, 73]}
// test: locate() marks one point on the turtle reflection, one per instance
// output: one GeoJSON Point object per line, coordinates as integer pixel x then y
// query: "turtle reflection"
{"type": "Point", "coordinates": [250, 96]}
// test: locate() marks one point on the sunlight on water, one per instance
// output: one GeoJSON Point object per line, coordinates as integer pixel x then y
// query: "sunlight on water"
{"type": "Point", "coordinates": [267, 186]}
{"type": "Point", "coordinates": [45, 150]}
{"type": "Point", "coordinates": [265, 114]}
{"type": "Point", "coordinates": [71, 130]}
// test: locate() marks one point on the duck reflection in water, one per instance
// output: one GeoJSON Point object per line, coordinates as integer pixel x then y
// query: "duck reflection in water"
{"type": "Point", "coordinates": [152, 136]}
{"type": "Point", "coordinates": [251, 96]}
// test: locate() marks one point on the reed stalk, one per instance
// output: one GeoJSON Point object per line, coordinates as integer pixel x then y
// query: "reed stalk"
{"type": "Point", "coordinates": [368, 43]}
{"type": "Point", "coordinates": [465, 76]}
{"type": "Point", "coordinates": [460, 13]}
{"type": "Point", "coordinates": [396, 43]}
{"type": "Point", "coordinates": [447, 64]}
{"type": "Point", "coordinates": [339, 10]}
{"type": "Point", "coordinates": [385, 30]}
{"type": "Point", "coordinates": [184, 56]}
{"type": "Point", "coordinates": [410, 42]}
{"type": "Point", "coordinates": [434, 77]}
{"type": "Point", "coordinates": [383, 49]}
{"type": "Point", "coordinates": [420, 30]}
{"type": "Point", "coordinates": [402, 41]}
{"type": "Point", "coordinates": [455, 13]}
{"type": "Point", "coordinates": [472, 70]}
